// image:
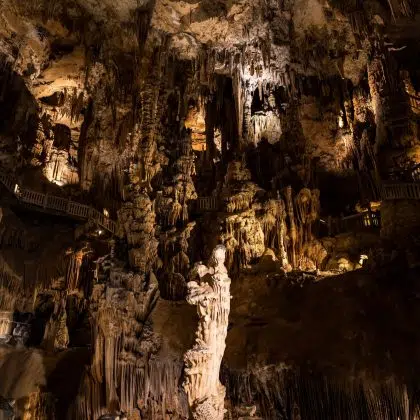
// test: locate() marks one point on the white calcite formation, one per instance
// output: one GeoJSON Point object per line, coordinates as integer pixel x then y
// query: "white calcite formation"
{"type": "Point", "coordinates": [202, 363]}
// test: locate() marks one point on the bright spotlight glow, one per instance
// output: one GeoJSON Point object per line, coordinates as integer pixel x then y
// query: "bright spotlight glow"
{"type": "Point", "coordinates": [341, 120]}
{"type": "Point", "coordinates": [363, 258]}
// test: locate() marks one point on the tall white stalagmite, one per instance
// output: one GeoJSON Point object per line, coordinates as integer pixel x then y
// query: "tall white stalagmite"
{"type": "Point", "coordinates": [202, 363]}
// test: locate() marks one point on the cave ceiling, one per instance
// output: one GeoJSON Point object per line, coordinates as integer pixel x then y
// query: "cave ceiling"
{"type": "Point", "coordinates": [51, 38]}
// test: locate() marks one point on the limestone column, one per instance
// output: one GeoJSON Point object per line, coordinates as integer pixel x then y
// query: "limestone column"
{"type": "Point", "coordinates": [212, 297]}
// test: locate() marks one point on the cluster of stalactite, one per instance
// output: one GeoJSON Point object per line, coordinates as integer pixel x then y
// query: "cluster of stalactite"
{"type": "Point", "coordinates": [137, 219]}
{"type": "Point", "coordinates": [52, 147]}
{"type": "Point", "coordinates": [249, 74]}
{"type": "Point", "coordinates": [40, 406]}
{"type": "Point", "coordinates": [174, 248]}
{"type": "Point", "coordinates": [101, 133]}
{"type": "Point", "coordinates": [125, 376]}
{"type": "Point", "coordinates": [254, 222]}
{"type": "Point", "coordinates": [69, 275]}
{"type": "Point", "coordinates": [285, 392]}
{"type": "Point", "coordinates": [10, 286]}
{"type": "Point", "coordinates": [150, 391]}
{"type": "Point", "coordinates": [13, 237]}
{"type": "Point", "coordinates": [22, 287]}
{"type": "Point", "coordinates": [76, 283]}
{"type": "Point", "coordinates": [291, 394]}
{"type": "Point", "coordinates": [174, 201]}
{"type": "Point", "coordinates": [173, 205]}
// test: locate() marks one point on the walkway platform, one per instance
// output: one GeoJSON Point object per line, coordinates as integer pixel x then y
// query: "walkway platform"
{"type": "Point", "coordinates": [57, 205]}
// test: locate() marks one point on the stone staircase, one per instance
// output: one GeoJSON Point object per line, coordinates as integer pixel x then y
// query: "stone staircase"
{"type": "Point", "coordinates": [54, 204]}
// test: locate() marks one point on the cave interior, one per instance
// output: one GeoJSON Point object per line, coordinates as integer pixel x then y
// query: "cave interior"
{"type": "Point", "coordinates": [209, 209]}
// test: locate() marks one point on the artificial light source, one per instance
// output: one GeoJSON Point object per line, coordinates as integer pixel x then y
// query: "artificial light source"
{"type": "Point", "coordinates": [341, 120]}
{"type": "Point", "coordinates": [362, 259]}
{"type": "Point", "coordinates": [100, 232]}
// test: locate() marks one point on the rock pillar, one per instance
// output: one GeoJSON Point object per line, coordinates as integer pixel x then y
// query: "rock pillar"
{"type": "Point", "coordinates": [202, 363]}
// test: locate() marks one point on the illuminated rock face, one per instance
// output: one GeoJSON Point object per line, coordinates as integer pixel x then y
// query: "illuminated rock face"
{"type": "Point", "coordinates": [202, 363]}
{"type": "Point", "coordinates": [193, 123]}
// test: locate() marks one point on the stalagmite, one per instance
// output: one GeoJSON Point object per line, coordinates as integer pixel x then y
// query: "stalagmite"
{"type": "Point", "coordinates": [293, 229]}
{"type": "Point", "coordinates": [282, 230]}
{"type": "Point", "coordinates": [61, 339]}
{"type": "Point", "coordinates": [202, 363]}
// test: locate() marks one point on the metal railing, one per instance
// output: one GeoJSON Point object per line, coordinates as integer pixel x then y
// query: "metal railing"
{"type": "Point", "coordinates": [400, 191]}
{"type": "Point", "coordinates": [205, 204]}
{"type": "Point", "coordinates": [57, 204]}
{"type": "Point", "coordinates": [359, 222]}
{"type": "Point", "coordinates": [403, 184]}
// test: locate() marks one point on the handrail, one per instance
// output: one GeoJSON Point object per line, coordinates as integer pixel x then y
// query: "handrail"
{"type": "Point", "coordinates": [210, 203]}
{"type": "Point", "coordinates": [367, 220]}
{"type": "Point", "coordinates": [400, 191]}
{"type": "Point", "coordinates": [63, 205]}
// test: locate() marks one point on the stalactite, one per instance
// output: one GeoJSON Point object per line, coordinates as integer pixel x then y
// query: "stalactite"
{"type": "Point", "coordinates": [238, 94]}
{"type": "Point", "coordinates": [303, 207]}
{"type": "Point", "coordinates": [76, 105]}
{"type": "Point", "coordinates": [61, 339]}
{"type": "Point", "coordinates": [298, 395]}
{"type": "Point", "coordinates": [266, 126]}
{"type": "Point", "coordinates": [73, 270]}
{"type": "Point", "coordinates": [6, 323]}
{"type": "Point", "coordinates": [175, 212]}
{"type": "Point", "coordinates": [407, 8]}
{"type": "Point", "coordinates": [293, 229]}
{"type": "Point", "coordinates": [143, 386]}
{"type": "Point", "coordinates": [11, 236]}
{"type": "Point", "coordinates": [40, 406]}
{"type": "Point", "coordinates": [391, 8]}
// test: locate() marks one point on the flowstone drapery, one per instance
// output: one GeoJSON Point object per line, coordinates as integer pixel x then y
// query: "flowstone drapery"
{"type": "Point", "coordinates": [202, 363]}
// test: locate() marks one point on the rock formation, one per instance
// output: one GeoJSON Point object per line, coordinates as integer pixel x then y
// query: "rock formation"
{"type": "Point", "coordinates": [205, 393]}
{"type": "Point", "coordinates": [136, 136]}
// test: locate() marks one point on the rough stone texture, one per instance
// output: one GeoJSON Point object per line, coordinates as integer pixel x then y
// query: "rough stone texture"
{"type": "Point", "coordinates": [205, 393]}
{"type": "Point", "coordinates": [258, 125]}
{"type": "Point", "coordinates": [399, 220]}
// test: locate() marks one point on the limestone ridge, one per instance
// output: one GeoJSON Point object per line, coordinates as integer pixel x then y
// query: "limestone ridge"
{"type": "Point", "coordinates": [202, 363]}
